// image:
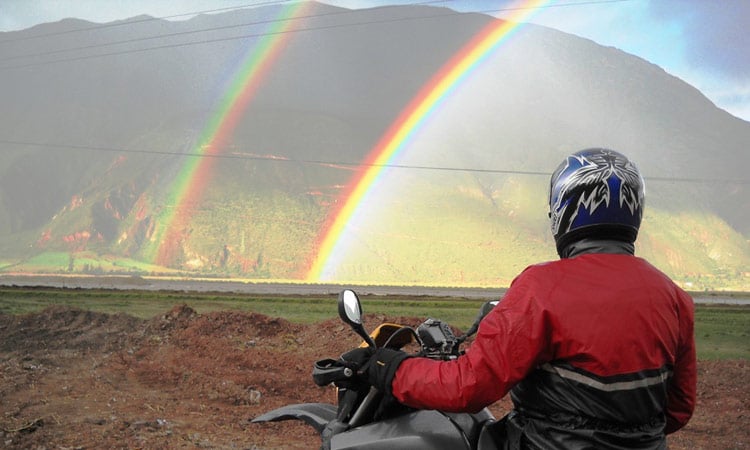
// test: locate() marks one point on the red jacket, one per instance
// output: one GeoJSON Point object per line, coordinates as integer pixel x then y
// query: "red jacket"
{"type": "Point", "coordinates": [598, 349]}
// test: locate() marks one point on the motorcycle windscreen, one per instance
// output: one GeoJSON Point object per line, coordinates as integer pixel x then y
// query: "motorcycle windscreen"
{"type": "Point", "coordinates": [398, 335]}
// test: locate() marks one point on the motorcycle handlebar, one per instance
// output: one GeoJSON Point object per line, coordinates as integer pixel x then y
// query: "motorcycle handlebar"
{"type": "Point", "coordinates": [327, 371]}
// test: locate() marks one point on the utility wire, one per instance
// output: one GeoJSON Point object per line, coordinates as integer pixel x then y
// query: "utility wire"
{"type": "Point", "coordinates": [185, 33]}
{"type": "Point", "coordinates": [246, 36]}
{"type": "Point", "coordinates": [237, 156]}
{"type": "Point", "coordinates": [126, 22]}
{"type": "Point", "coordinates": [255, 35]}
{"type": "Point", "coordinates": [210, 41]}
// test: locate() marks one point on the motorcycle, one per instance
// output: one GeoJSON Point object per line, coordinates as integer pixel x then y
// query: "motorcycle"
{"type": "Point", "coordinates": [365, 419]}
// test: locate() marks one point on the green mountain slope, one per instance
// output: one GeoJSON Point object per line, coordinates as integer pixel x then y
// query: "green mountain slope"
{"type": "Point", "coordinates": [93, 152]}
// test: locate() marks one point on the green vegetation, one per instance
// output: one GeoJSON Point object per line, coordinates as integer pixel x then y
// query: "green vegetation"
{"type": "Point", "coordinates": [300, 309]}
{"type": "Point", "coordinates": [83, 262]}
{"type": "Point", "coordinates": [696, 249]}
{"type": "Point", "coordinates": [450, 229]}
{"type": "Point", "coordinates": [722, 332]}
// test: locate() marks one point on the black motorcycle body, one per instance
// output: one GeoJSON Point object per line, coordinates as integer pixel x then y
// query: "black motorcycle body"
{"type": "Point", "coordinates": [364, 419]}
{"type": "Point", "coordinates": [419, 429]}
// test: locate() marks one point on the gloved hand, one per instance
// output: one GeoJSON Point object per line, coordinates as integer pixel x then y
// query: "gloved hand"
{"type": "Point", "coordinates": [356, 359]}
{"type": "Point", "coordinates": [378, 366]}
{"type": "Point", "coordinates": [382, 367]}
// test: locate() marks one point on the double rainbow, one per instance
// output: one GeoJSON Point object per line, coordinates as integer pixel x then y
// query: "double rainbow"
{"type": "Point", "coordinates": [388, 148]}
{"type": "Point", "coordinates": [195, 175]}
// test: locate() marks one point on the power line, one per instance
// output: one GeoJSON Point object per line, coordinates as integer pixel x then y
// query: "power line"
{"type": "Point", "coordinates": [549, 6]}
{"type": "Point", "coordinates": [194, 13]}
{"type": "Point", "coordinates": [236, 156]}
{"type": "Point", "coordinates": [184, 33]}
{"type": "Point", "coordinates": [568, 4]}
{"type": "Point", "coordinates": [209, 41]}
{"type": "Point", "coordinates": [137, 21]}
{"type": "Point", "coordinates": [256, 35]}
{"type": "Point", "coordinates": [126, 22]}
{"type": "Point", "coordinates": [140, 39]}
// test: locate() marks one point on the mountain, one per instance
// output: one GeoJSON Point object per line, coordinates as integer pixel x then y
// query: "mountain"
{"type": "Point", "coordinates": [101, 123]}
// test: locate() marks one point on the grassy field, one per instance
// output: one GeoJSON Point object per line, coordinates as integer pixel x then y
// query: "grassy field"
{"type": "Point", "coordinates": [722, 331]}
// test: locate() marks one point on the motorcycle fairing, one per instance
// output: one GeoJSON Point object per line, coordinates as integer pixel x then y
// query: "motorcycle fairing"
{"type": "Point", "coordinates": [425, 429]}
{"type": "Point", "coordinates": [317, 415]}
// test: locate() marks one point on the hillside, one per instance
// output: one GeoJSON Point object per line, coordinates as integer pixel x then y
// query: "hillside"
{"type": "Point", "coordinates": [102, 125]}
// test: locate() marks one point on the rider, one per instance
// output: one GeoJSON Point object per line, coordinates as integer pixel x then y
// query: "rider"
{"type": "Point", "coordinates": [596, 349]}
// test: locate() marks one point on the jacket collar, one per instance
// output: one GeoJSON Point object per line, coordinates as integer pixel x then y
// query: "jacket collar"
{"type": "Point", "coordinates": [585, 246]}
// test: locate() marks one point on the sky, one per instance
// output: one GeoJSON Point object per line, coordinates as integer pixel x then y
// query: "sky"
{"type": "Point", "coordinates": [703, 42]}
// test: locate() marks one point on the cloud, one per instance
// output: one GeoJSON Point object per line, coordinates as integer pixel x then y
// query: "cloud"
{"type": "Point", "coordinates": [715, 33]}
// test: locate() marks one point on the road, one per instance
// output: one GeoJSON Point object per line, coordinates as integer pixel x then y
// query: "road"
{"type": "Point", "coordinates": [240, 287]}
{"type": "Point", "coordinates": [264, 288]}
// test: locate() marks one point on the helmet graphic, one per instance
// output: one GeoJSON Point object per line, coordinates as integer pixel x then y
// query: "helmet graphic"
{"type": "Point", "coordinates": [595, 193]}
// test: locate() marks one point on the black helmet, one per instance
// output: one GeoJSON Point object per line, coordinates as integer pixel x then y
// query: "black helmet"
{"type": "Point", "coordinates": [595, 193]}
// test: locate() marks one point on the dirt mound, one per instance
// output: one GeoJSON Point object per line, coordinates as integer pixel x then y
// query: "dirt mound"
{"type": "Point", "coordinates": [76, 379]}
{"type": "Point", "coordinates": [59, 327]}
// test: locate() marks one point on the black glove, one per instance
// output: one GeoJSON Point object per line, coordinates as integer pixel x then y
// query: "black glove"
{"type": "Point", "coordinates": [356, 359]}
{"type": "Point", "coordinates": [377, 366]}
{"type": "Point", "coordinates": [381, 368]}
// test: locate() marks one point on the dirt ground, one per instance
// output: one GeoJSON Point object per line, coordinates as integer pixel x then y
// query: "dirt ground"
{"type": "Point", "coordinates": [74, 379]}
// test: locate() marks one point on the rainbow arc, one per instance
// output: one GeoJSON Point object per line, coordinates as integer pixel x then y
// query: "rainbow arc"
{"type": "Point", "coordinates": [405, 127]}
{"type": "Point", "coordinates": [195, 175]}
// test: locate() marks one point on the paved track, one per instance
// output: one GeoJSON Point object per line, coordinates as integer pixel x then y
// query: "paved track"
{"type": "Point", "coordinates": [253, 288]}
{"type": "Point", "coordinates": [203, 285]}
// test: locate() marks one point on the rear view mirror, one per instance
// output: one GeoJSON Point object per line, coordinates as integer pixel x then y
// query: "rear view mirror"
{"type": "Point", "coordinates": [483, 311]}
{"type": "Point", "coordinates": [350, 311]}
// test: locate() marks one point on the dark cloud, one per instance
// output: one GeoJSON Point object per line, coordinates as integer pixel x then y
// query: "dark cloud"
{"type": "Point", "coordinates": [717, 32]}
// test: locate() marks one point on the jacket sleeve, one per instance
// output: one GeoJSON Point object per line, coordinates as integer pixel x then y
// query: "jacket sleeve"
{"type": "Point", "coordinates": [682, 387]}
{"type": "Point", "coordinates": [511, 341]}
